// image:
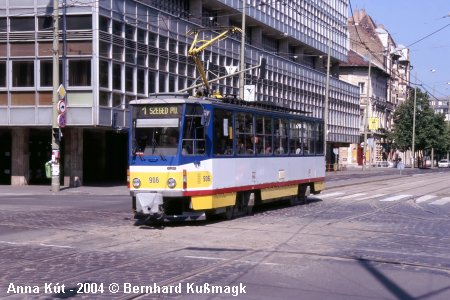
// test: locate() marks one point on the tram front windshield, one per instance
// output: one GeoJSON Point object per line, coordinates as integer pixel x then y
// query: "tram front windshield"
{"type": "Point", "coordinates": [156, 130]}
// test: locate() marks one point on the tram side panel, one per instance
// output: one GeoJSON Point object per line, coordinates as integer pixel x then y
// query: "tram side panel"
{"type": "Point", "coordinates": [274, 177]}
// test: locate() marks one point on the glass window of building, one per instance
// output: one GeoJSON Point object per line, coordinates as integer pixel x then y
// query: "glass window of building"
{"type": "Point", "coordinates": [103, 98]}
{"type": "Point", "coordinates": [104, 49]}
{"type": "Point", "coordinates": [141, 35]}
{"type": "Point", "coordinates": [79, 72]}
{"type": "Point", "coordinates": [104, 73]}
{"type": "Point", "coordinates": [3, 25]}
{"type": "Point", "coordinates": [129, 79]}
{"type": "Point", "coordinates": [46, 73]}
{"type": "Point", "coordinates": [23, 73]}
{"type": "Point", "coordinates": [2, 73]}
{"type": "Point", "coordinates": [117, 28]}
{"type": "Point", "coordinates": [21, 23]}
{"type": "Point", "coordinates": [140, 82]}
{"type": "Point", "coordinates": [152, 38]}
{"type": "Point", "coordinates": [172, 81]}
{"type": "Point", "coordinates": [117, 52]}
{"type": "Point", "coordinates": [141, 59]}
{"type": "Point", "coordinates": [162, 82]}
{"type": "Point", "coordinates": [130, 55]}
{"type": "Point", "coordinates": [45, 23]}
{"type": "Point", "coordinates": [151, 82]}
{"type": "Point", "coordinates": [129, 32]}
{"type": "Point", "coordinates": [79, 22]}
{"type": "Point", "coordinates": [162, 42]}
{"type": "Point", "coordinates": [117, 77]}
{"type": "Point", "coordinates": [103, 23]}
{"type": "Point", "coordinates": [152, 61]}
{"type": "Point", "coordinates": [117, 100]}
{"type": "Point", "coordinates": [361, 87]}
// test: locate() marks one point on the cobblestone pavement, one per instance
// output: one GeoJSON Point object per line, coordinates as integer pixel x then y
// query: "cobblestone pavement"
{"type": "Point", "coordinates": [345, 243]}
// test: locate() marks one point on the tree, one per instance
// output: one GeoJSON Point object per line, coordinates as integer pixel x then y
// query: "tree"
{"type": "Point", "coordinates": [430, 131]}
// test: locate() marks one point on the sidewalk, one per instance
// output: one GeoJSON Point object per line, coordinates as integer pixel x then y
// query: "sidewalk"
{"type": "Point", "coordinates": [118, 189]}
{"type": "Point", "coordinates": [103, 190]}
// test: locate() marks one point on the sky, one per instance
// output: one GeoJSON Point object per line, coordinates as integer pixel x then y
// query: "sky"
{"type": "Point", "coordinates": [410, 21]}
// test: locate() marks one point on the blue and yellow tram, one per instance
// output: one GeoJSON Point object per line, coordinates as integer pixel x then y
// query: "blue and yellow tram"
{"type": "Point", "coordinates": [191, 157]}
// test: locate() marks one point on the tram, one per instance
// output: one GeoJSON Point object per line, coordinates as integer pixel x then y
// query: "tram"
{"type": "Point", "coordinates": [190, 158]}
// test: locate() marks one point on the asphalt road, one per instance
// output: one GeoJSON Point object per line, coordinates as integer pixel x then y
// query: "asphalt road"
{"type": "Point", "coordinates": [371, 235]}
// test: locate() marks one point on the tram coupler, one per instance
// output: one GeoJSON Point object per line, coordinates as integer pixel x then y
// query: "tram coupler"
{"type": "Point", "coordinates": [149, 204]}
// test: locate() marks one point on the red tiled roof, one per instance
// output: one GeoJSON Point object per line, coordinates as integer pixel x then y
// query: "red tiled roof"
{"type": "Point", "coordinates": [355, 60]}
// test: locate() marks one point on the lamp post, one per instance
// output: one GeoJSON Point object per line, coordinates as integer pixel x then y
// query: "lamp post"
{"type": "Point", "coordinates": [326, 104]}
{"type": "Point", "coordinates": [414, 128]}
{"type": "Point", "coordinates": [366, 114]}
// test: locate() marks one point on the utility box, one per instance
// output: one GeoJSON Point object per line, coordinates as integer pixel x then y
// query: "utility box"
{"type": "Point", "coordinates": [48, 169]}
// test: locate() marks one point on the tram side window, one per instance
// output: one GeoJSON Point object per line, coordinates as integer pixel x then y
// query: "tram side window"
{"type": "Point", "coordinates": [193, 142]}
{"type": "Point", "coordinates": [309, 138]}
{"type": "Point", "coordinates": [295, 138]}
{"type": "Point", "coordinates": [244, 134]}
{"type": "Point", "coordinates": [223, 132]}
{"type": "Point", "coordinates": [263, 139]}
{"type": "Point", "coordinates": [281, 137]}
{"type": "Point", "coordinates": [319, 139]}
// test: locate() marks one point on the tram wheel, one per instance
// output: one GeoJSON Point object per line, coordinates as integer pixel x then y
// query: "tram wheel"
{"type": "Point", "coordinates": [303, 193]}
{"type": "Point", "coordinates": [229, 212]}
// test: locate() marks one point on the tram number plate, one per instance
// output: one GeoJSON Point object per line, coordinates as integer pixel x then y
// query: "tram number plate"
{"type": "Point", "coordinates": [207, 178]}
{"type": "Point", "coordinates": [153, 179]}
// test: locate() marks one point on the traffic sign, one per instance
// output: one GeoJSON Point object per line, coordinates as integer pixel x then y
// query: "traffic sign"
{"type": "Point", "coordinates": [62, 106]}
{"type": "Point", "coordinates": [61, 120]}
{"type": "Point", "coordinates": [373, 123]}
{"type": "Point", "coordinates": [61, 91]}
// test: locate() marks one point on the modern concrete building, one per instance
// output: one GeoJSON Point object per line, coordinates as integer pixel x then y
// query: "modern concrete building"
{"type": "Point", "coordinates": [114, 51]}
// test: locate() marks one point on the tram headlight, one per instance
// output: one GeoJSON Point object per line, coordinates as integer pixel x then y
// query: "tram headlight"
{"type": "Point", "coordinates": [171, 183]}
{"type": "Point", "coordinates": [136, 183]}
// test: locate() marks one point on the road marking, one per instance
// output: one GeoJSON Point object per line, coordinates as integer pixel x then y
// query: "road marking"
{"type": "Point", "coordinates": [395, 198]}
{"type": "Point", "coordinates": [330, 195]}
{"type": "Point", "coordinates": [34, 244]}
{"type": "Point", "coordinates": [374, 196]}
{"type": "Point", "coordinates": [441, 201]}
{"type": "Point", "coordinates": [425, 198]}
{"type": "Point", "coordinates": [352, 196]}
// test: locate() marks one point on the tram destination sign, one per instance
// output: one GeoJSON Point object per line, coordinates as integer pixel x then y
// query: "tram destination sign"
{"type": "Point", "coordinates": [158, 111]}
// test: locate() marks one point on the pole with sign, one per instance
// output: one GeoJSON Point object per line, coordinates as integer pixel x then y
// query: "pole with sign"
{"type": "Point", "coordinates": [56, 134]}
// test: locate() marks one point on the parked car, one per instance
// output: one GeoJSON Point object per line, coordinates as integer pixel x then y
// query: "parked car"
{"type": "Point", "coordinates": [443, 163]}
{"type": "Point", "coordinates": [383, 164]}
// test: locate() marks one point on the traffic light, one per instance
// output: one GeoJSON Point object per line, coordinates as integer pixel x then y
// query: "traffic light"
{"type": "Point", "coordinates": [57, 134]}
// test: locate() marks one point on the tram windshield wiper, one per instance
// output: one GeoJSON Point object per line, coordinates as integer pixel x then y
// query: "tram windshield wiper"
{"type": "Point", "coordinates": [154, 145]}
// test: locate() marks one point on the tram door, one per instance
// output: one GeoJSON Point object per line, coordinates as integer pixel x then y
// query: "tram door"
{"type": "Point", "coordinates": [5, 158]}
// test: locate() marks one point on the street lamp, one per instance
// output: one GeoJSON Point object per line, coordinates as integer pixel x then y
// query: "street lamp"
{"type": "Point", "coordinates": [327, 91]}
{"type": "Point", "coordinates": [414, 127]}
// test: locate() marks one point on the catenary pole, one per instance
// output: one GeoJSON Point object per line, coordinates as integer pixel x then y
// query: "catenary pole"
{"type": "Point", "coordinates": [242, 55]}
{"type": "Point", "coordinates": [326, 104]}
{"type": "Point", "coordinates": [366, 114]}
{"type": "Point", "coordinates": [55, 126]}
